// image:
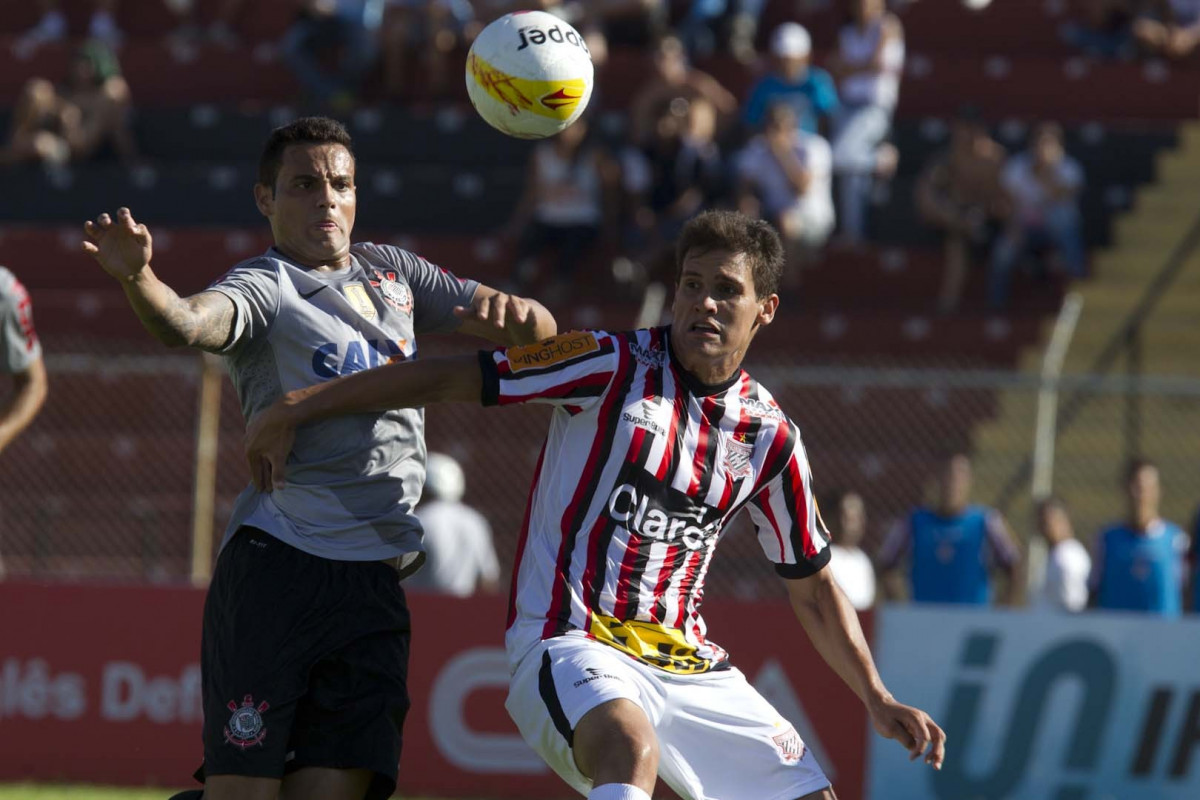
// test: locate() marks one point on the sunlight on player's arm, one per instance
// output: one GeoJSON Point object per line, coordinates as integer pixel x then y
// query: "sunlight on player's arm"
{"type": "Point", "coordinates": [409, 384]}
{"type": "Point", "coordinates": [832, 625]}
{"type": "Point", "coordinates": [506, 318]}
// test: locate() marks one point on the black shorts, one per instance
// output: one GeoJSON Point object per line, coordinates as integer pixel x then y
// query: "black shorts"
{"type": "Point", "coordinates": [304, 663]}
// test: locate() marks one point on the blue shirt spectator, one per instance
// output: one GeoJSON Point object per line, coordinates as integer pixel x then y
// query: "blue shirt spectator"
{"type": "Point", "coordinates": [952, 550]}
{"type": "Point", "coordinates": [809, 91]}
{"type": "Point", "coordinates": [1139, 564]}
{"type": "Point", "coordinates": [1137, 569]}
{"type": "Point", "coordinates": [1195, 557]}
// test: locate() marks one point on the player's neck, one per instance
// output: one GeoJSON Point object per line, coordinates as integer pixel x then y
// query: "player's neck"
{"type": "Point", "coordinates": [1142, 520]}
{"type": "Point", "coordinates": [318, 264]}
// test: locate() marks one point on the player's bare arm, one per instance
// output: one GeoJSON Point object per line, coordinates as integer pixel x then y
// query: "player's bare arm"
{"type": "Point", "coordinates": [506, 319]}
{"type": "Point", "coordinates": [408, 384]}
{"type": "Point", "coordinates": [123, 247]}
{"type": "Point", "coordinates": [832, 625]}
{"type": "Point", "coordinates": [19, 408]}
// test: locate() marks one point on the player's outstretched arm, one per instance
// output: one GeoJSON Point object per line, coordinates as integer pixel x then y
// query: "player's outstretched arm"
{"type": "Point", "coordinates": [409, 384]}
{"type": "Point", "coordinates": [832, 625]}
{"type": "Point", "coordinates": [506, 318]}
{"type": "Point", "coordinates": [124, 247]}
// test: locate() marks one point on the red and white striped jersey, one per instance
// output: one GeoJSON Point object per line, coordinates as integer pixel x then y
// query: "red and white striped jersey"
{"type": "Point", "coordinates": [642, 469]}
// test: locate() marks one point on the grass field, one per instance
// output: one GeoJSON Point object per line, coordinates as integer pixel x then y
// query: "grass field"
{"type": "Point", "coordinates": [42, 791]}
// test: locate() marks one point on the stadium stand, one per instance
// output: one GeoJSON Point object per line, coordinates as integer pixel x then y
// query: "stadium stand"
{"type": "Point", "coordinates": [438, 181]}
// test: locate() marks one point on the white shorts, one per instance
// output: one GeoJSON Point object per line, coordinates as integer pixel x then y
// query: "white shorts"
{"type": "Point", "coordinates": [718, 738]}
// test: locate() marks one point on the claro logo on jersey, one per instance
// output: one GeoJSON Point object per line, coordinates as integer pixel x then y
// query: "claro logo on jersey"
{"type": "Point", "coordinates": [633, 510]}
{"type": "Point", "coordinates": [551, 351]}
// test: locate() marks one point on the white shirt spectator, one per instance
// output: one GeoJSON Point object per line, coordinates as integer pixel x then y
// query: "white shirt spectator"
{"type": "Point", "coordinates": [458, 541]}
{"type": "Point", "coordinates": [758, 167]}
{"type": "Point", "coordinates": [1066, 585]}
{"type": "Point", "coordinates": [1028, 194]}
{"type": "Point", "coordinates": [854, 573]}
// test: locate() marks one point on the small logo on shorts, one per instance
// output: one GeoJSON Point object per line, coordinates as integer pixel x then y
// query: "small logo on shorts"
{"type": "Point", "coordinates": [789, 745]}
{"type": "Point", "coordinates": [593, 675]}
{"type": "Point", "coordinates": [245, 728]}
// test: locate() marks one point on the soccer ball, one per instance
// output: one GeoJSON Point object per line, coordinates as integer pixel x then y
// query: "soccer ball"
{"type": "Point", "coordinates": [529, 74]}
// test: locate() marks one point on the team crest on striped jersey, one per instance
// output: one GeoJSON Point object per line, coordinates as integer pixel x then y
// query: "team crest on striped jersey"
{"type": "Point", "coordinates": [738, 453]}
{"type": "Point", "coordinates": [790, 745]}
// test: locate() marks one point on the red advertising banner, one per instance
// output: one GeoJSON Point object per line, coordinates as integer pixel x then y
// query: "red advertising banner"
{"type": "Point", "coordinates": [101, 684]}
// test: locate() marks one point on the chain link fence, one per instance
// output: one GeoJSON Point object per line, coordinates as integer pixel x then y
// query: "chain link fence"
{"type": "Point", "coordinates": [103, 486]}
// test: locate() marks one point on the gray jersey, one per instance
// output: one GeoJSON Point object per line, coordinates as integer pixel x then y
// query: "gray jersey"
{"type": "Point", "coordinates": [19, 346]}
{"type": "Point", "coordinates": [352, 481]}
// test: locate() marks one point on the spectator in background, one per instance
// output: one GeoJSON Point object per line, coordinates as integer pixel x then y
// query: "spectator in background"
{"type": "Point", "coordinates": [1194, 558]}
{"type": "Point", "coordinates": [1169, 28]}
{"type": "Point", "coordinates": [951, 549]}
{"type": "Point", "coordinates": [1104, 29]}
{"type": "Point", "coordinates": [190, 31]}
{"type": "Point", "coordinates": [868, 65]}
{"type": "Point", "coordinates": [785, 177]}
{"type": "Point", "coordinates": [52, 27]}
{"type": "Point", "coordinates": [78, 121]}
{"type": "Point", "coordinates": [432, 30]}
{"type": "Point", "coordinates": [671, 178]}
{"type": "Point", "coordinates": [460, 557]}
{"type": "Point", "coordinates": [1139, 564]}
{"type": "Point", "coordinates": [348, 28]}
{"type": "Point", "coordinates": [1064, 587]}
{"type": "Point", "coordinates": [566, 202]}
{"type": "Point", "coordinates": [674, 78]}
{"type": "Point", "coordinates": [852, 568]}
{"type": "Point", "coordinates": [709, 22]}
{"type": "Point", "coordinates": [808, 90]}
{"type": "Point", "coordinates": [960, 193]}
{"type": "Point", "coordinates": [1043, 186]}
{"type": "Point", "coordinates": [21, 358]}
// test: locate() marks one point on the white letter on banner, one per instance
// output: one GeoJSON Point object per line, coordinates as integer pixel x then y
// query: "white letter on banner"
{"type": "Point", "coordinates": [476, 751]}
{"type": "Point", "coordinates": [121, 677]}
{"type": "Point", "coordinates": [773, 684]}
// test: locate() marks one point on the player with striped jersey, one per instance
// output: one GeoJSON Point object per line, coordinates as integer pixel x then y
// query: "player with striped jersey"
{"type": "Point", "coordinates": [657, 440]}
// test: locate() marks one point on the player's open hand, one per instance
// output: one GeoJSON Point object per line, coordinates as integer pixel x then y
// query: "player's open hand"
{"type": "Point", "coordinates": [500, 317]}
{"type": "Point", "coordinates": [912, 728]}
{"type": "Point", "coordinates": [269, 438]}
{"type": "Point", "coordinates": [122, 245]}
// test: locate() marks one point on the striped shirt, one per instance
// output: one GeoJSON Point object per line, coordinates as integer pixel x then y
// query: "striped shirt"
{"type": "Point", "coordinates": [642, 469]}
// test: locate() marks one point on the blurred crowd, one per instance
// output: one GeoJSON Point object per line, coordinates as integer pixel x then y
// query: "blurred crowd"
{"type": "Point", "coordinates": [954, 551]}
{"type": "Point", "coordinates": [809, 147]}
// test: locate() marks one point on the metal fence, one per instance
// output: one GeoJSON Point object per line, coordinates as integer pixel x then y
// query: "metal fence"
{"type": "Point", "coordinates": [104, 484]}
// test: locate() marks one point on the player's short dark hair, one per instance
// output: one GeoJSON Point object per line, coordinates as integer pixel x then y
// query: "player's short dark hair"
{"type": "Point", "coordinates": [735, 232]}
{"type": "Point", "coordinates": [306, 130]}
{"type": "Point", "coordinates": [1135, 465]}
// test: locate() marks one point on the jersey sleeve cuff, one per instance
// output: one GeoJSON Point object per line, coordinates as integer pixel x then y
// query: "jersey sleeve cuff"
{"type": "Point", "coordinates": [490, 395]}
{"type": "Point", "coordinates": [805, 569]}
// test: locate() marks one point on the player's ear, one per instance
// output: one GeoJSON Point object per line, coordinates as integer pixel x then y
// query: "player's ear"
{"type": "Point", "coordinates": [767, 308]}
{"type": "Point", "coordinates": [264, 198]}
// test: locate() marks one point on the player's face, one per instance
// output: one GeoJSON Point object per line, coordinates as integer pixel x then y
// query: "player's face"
{"type": "Point", "coordinates": [312, 205]}
{"type": "Point", "coordinates": [717, 313]}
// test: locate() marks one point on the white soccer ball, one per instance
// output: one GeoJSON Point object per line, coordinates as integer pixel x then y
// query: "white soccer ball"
{"type": "Point", "coordinates": [529, 74]}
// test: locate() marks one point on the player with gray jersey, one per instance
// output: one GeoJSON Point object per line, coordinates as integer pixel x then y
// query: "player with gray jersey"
{"type": "Point", "coordinates": [306, 630]}
{"type": "Point", "coordinates": [20, 357]}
